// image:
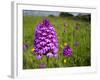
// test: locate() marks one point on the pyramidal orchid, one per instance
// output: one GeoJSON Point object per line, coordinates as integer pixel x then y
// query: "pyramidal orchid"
{"type": "Point", "coordinates": [67, 51]}
{"type": "Point", "coordinates": [45, 42]}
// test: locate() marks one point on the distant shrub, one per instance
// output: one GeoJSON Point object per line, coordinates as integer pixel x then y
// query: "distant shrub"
{"type": "Point", "coordinates": [51, 16]}
{"type": "Point", "coordinates": [64, 14]}
{"type": "Point", "coordinates": [85, 17]}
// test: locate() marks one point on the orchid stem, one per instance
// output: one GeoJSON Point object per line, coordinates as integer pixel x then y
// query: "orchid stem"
{"type": "Point", "coordinates": [47, 61]}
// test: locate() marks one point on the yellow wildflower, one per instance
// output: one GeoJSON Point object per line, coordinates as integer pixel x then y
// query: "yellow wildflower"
{"type": "Point", "coordinates": [65, 44]}
{"type": "Point", "coordinates": [65, 61]}
{"type": "Point", "coordinates": [32, 49]}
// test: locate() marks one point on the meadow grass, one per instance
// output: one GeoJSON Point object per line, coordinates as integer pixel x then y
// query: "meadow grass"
{"type": "Point", "coordinates": [81, 53]}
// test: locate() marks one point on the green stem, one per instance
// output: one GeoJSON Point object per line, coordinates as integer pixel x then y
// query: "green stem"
{"type": "Point", "coordinates": [47, 61]}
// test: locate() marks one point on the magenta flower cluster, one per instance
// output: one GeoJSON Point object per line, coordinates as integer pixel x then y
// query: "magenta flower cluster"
{"type": "Point", "coordinates": [45, 42]}
{"type": "Point", "coordinates": [67, 51]}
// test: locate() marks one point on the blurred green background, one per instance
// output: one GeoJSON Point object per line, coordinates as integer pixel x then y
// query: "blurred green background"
{"type": "Point", "coordinates": [74, 30]}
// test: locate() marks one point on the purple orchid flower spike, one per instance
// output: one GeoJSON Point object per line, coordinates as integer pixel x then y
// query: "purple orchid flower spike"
{"type": "Point", "coordinates": [46, 42]}
{"type": "Point", "coordinates": [67, 51]}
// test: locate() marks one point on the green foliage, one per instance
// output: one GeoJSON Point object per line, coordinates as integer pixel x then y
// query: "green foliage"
{"type": "Point", "coordinates": [84, 17]}
{"type": "Point", "coordinates": [81, 53]}
{"type": "Point", "coordinates": [51, 16]}
{"type": "Point", "coordinates": [64, 14]}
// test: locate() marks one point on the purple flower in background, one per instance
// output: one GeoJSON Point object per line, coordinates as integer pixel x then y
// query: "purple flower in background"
{"type": "Point", "coordinates": [42, 65]}
{"type": "Point", "coordinates": [67, 51]}
{"type": "Point", "coordinates": [45, 42]}
{"type": "Point", "coordinates": [76, 43]}
{"type": "Point", "coordinates": [39, 57]}
{"type": "Point", "coordinates": [25, 46]}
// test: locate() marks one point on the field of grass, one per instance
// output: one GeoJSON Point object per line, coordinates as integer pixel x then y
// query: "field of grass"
{"type": "Point", "coordinates": [78, 37]}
